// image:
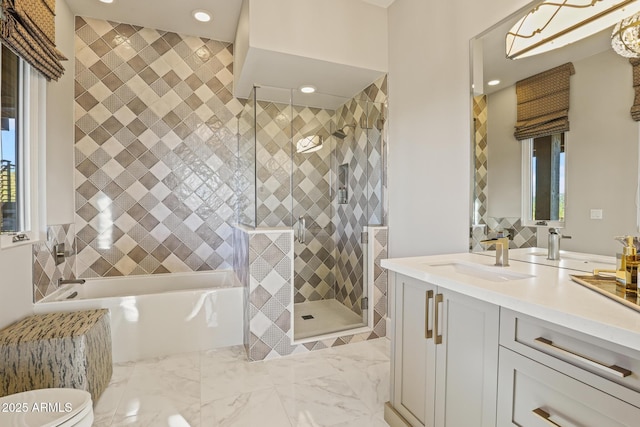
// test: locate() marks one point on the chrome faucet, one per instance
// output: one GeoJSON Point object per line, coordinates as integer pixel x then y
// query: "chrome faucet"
{"type": "Point", "coordinates": [62, 281]}
{"type": "Point", "coordinates": [502, 249]}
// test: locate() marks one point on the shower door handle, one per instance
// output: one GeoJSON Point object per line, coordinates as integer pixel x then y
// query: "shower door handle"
{"type": "Point", "coordinates": [302, 229]}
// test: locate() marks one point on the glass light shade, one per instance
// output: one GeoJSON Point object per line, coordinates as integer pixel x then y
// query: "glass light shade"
{"type": "Point", "coordinates": [625, 38]}
{"type": "Point", "coordinates": [309, 144]}
{"type": "Point", "coordinates": [553, 24]}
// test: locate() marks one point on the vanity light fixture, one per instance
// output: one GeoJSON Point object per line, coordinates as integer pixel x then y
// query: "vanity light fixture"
{"type": "Point", "coordinates": [201, 15]}
{"type": "Point", "coordinates": [553, 24]}
{"type": "Point", "coordinates": [307, 89]}
{"type": "Point", "coordinates": [625, 39]}
{"type": "Point", "coordinates": [493, 82]}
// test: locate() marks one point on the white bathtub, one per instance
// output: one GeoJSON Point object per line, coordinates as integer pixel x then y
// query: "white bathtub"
{"type": "Point", "coordinates": [163, 314]}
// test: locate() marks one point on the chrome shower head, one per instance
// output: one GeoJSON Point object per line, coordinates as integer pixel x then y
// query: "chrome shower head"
{"type": "Point", "coordinates": [340, 133]}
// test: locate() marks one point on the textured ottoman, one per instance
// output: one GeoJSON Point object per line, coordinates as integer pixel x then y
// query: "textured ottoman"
{"type": "Point", "coordinates": [67, 350]}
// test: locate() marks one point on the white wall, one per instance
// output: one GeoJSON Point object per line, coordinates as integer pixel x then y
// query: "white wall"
{"type": "Point", "coordinates": [430, 121]}
{"type": "Point", "coordinates": [16, 292]}
{"type": "Point", "coordinates": [504, 156]}
{"type": "Point", "coordinates": [60, 128]}
{"type": "Point", "coordinates": [302, 30]}
{"type": "Point", "coordinates": [602, 155]}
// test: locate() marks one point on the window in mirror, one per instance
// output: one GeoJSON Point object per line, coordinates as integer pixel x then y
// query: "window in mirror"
{"type": "Point", "coordinates": [544, 180]}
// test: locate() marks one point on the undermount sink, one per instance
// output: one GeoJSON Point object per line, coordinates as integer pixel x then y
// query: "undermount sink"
{"type": "Point", "coordinates": [485, 272]}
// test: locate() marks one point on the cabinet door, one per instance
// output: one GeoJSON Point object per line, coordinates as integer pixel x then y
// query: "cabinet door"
{"type": "Point", "coordinates": [467, 361]}
{"type": "Point", "coordinates": [533, 395]}
{"type": "Point", "coordinates": [414, 352]}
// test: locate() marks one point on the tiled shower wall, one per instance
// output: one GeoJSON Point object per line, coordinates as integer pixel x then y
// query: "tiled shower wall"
{"type": "Point", "coordinates": [158, 182]}
{"type": "Point", "coordinates": [332, 230]}
{"type": "Point", "coordinates": [155, 151]}
{"type": "Point", "coordinates": [483, 225]}
{"type": "Point", "coordinates": [362, 151]}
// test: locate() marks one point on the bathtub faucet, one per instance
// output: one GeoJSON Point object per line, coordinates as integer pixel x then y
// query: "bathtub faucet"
{"type": "Point", "coordinates": [62, 281]}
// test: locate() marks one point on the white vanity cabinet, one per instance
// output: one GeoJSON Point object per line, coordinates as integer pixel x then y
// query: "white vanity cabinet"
{"type": "Point", "coordinates": [445, 357]}
{"type": "Point", "coordinates": [553, 376]}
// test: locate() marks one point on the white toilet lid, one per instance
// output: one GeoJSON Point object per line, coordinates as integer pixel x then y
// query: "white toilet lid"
{"type": "Point", "coordinates": [47, 407]}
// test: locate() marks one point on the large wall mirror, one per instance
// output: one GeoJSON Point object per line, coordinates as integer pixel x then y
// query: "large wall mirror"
{"type": "Point", "coordinates": [601, 170]}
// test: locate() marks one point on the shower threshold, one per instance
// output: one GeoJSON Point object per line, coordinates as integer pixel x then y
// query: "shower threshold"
{"type": "Point", "coordinates": [328, 317]}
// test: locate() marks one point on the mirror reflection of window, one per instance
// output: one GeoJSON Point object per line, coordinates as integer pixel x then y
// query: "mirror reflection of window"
{"type": "Point", "coordinates": [546, 177]}
{"type": "Point", "coordinates": [10, 215]}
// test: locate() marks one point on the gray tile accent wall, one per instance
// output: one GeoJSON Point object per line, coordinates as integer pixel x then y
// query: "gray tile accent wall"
{"type": "Point", "coordinates": [155, 151]}
{"type": "Point", "coordinates": [363, 152]}
{"type": "Point", "coordinates": [45, 271]}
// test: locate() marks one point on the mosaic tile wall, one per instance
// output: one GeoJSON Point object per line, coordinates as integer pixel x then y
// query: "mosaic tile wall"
{"type": "Point", "coordinates": [45, 271]}
{"type": "Point", "coordinates": [155, 151]}
{"type": "Point", "coordinates": [484, 226]}
{"type": "Point", "coordinates": [268, 276]}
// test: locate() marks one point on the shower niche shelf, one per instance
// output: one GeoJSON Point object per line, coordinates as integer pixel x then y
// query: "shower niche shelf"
{"type": "Point", "coordinates": [343, 179]}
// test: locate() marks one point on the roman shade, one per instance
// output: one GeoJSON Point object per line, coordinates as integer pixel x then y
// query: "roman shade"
{"type": "Point", "coordinates": [543, 103]}
{"type": "Point", "coordinates": [635, 108]}
{"type": "Point", "coordinates": [28, 28]}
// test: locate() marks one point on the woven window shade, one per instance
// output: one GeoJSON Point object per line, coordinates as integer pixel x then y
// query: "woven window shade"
{"type": "Point", "coordinates": [28, 28]}
{"type": "Point", "coordinates": [635, 108]}
{"type": "Point", "coordinates": [543, 103]}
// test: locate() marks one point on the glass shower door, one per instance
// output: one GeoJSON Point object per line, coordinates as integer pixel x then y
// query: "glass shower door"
{"type": "Point", "coordinates": [330, 194]}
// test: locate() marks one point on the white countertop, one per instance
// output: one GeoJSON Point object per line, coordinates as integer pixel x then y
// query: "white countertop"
{"type": "Point", "coordinates": [550, 295]}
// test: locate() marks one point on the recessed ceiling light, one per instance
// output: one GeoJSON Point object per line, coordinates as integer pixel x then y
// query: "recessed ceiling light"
{"type": "Point", "coordinates": [307, 89]}
{"type": "Point", "coordinates": [493, 82]}
{"type": "Point", "coordinates": [201, 15]}
{"type": "Point", "coordinates": [106, 1]}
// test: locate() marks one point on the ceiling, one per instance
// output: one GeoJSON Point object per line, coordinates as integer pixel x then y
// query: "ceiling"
{"type": "Point", "coordinates": [168, 15]}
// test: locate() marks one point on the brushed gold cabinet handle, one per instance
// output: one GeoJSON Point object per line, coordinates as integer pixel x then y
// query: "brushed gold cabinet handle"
{"type": "Point", "coordinates": [436, 318]}
{"type": "Point", "coordinates": [428, 333]}
{"type": "Point", "coordinates": [541, 413]}
{"type": "Point", "coordinates": [613, 369]}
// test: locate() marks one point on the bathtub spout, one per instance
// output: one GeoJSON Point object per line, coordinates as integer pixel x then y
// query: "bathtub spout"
{"type": "Point", "coordinates": [62, 281]}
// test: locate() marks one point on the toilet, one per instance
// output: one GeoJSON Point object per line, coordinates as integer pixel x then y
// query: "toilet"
{"type": "Point", "coordinates": [47, 407]}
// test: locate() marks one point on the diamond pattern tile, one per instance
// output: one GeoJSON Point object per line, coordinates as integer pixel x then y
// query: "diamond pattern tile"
{"type": "Point", "coordinates": [45, 271]}
{"type": "Point", "coordinates": [137, 123]}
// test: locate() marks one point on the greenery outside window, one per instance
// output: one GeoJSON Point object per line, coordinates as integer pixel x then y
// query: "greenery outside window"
{"type": "Point", "coordinates": [544, 180]}
{"type": "Point", "coordinates": [22, 92]}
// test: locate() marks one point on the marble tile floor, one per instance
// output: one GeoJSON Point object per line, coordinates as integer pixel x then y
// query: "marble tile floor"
{"type": "Point", "coordinates": [343, 386]}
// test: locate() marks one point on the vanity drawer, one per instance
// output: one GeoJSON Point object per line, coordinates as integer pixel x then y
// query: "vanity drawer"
{"type": "Point", "coordinates": [570, 351]}
{"type": "Point", "coordinates": [534, 395]}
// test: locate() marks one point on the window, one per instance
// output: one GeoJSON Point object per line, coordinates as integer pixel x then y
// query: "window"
{"type": "Point", "coordinates": [22, 92]}
{"type": "Point", "coordinates": [544, 180]}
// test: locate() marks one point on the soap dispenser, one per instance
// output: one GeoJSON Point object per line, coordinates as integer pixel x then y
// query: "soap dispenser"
{"type": "Point", "coordinates": [627, 273]}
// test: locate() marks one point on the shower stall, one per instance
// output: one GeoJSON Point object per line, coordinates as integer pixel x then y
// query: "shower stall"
{"type": "Point", "coordinates": [314, 163]}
